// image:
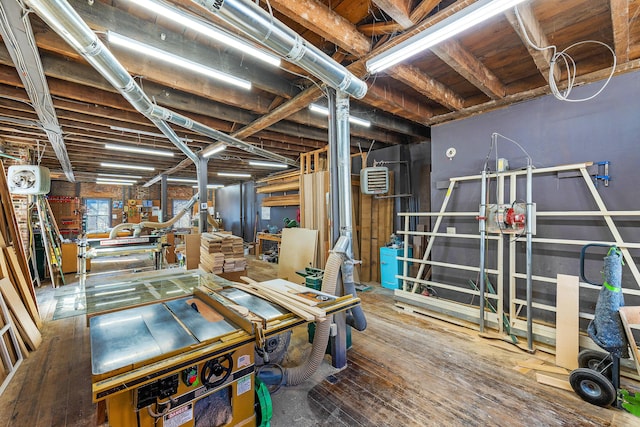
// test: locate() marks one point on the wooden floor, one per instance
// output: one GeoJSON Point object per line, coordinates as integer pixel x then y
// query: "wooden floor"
{"type": "Point", "coordinates": [404, 370]}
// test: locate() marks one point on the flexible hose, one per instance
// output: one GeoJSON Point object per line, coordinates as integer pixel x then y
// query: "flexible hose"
{"type": "Point", "coordinates": [149, 224]}
{"type": "Point", "coordinates": [299, 374]}
{"type": "Point", "coordinates": [355, 316]}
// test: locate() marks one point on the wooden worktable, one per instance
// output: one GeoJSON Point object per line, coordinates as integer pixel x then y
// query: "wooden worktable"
{"type": "Point", "coordinates": [266, 236]}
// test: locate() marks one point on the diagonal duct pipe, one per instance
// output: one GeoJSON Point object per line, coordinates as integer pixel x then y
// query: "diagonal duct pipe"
{"type": "Point", "coordinates": [64, 20]}
{"type": "Point", "coordinates": [254, 21]}
{"type": "Point", "coordinates": [60, 16]}
{"type": "Point", "coordinates": [17, 34]}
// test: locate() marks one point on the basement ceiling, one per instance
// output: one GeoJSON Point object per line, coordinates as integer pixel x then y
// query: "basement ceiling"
{"type": "Point", "coordinates": [487, 67]}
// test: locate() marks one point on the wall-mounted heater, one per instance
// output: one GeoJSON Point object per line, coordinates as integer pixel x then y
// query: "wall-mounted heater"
{"type": "Point", "coordinates": [374, 180]}
{"type": "Point", "coordinates": [28, 179]}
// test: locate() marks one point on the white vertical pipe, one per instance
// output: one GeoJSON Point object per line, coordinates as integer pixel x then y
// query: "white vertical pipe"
{"type": "Point", "coordinates": [529, 225]}
{"type": "Point", "coordinates": [483, 224]}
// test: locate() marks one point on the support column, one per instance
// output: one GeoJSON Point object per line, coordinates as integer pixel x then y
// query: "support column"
{"type": "Point", "coordinates": [203, 180]}
{"type": "Point", "coordinates": [164, 208]}
{"type": "Point", "coordinates": [343, 196]}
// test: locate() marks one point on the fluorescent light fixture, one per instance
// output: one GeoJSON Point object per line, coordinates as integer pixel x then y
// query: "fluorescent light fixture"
{"type": "Point", "coordinates": [127, 43]}
{"type": "Point", "coordinates": [207, 30]}
{"type": "Point", "coordinates": [325, 111]}
{"type": "Point", "coordinates": [468, 17]}
{"type": "Point", "coordinates": [144, 132]}
{"type": "Point", "coordinates": [234, 174]}
{"type": "Point", "coordinates": [113, 175]}
{"type": "Point", "coordinates": [211, 186]}
{"type": "Point", "coordinates": [125, 166]}
{"type": "Point", "coordinates": [188, 180]}
{"type": "Point", "coordinates": [132, 149]}
{"type": "Point", "coordinates": [213, 149]}
{"type": "Point", "coordinates": [268, 164]}
{"type": "Point", "coordinates": [133, 181]}
{"type": "Point", "coordinates": [114, 183]}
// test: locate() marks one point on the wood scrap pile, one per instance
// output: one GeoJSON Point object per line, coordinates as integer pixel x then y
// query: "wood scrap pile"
{"type": "Point", "coordinates": [221, 252]}
{"type": "Point", "coordinates": [15, 283]}
{"type": "Point", "coordinates": [288, 295]}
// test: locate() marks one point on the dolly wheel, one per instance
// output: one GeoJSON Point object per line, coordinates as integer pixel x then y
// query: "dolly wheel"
{"type": "Point", "coordinates": [597, 361]}
{"type": "Point", "coordinates": [592, 387]}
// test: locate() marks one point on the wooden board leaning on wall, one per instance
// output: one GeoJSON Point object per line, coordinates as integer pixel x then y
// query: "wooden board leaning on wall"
{"type": "Point", "coordinates": [15, 278]}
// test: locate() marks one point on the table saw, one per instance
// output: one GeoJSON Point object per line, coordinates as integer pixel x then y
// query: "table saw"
{"type": "Point", "coordinates": [187, 361]}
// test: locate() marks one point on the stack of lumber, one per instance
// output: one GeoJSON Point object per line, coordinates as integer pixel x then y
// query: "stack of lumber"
{"type": "Point", "coordinates": [15, 279]}
{"type": "Point", "coordinates": [297, 299]}
{"type": "Point", "coordinates": [282, 182]}
{"type": "Point", "coordinates": [221, 252]}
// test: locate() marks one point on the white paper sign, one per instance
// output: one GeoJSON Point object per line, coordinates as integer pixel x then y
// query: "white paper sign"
{"type": "Point", "coordinates": [266, 213]}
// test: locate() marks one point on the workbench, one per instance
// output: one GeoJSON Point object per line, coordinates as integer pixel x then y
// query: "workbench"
{"type": "Point", "coordinates": [266, 236]}
{"type": "Point", "coordinates": [187, 361]}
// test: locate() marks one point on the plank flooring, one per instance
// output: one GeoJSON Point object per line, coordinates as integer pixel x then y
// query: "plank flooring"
{"type": "Point", "coordinates": [404, 370]}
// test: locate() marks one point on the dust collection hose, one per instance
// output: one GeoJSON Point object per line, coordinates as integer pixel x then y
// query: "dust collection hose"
{"type": "Point", "coordinates": [274, 374]}
{"type": "Point", "coordinates": [299, 374]}
{"type": "Point", "coordinates": [149, 224]}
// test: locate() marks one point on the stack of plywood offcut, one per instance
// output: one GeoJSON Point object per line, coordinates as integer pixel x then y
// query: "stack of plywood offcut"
{"type": "Point", "coordinates": [15, 284]}
{"type": "Point", "coordinates": [220, 252]}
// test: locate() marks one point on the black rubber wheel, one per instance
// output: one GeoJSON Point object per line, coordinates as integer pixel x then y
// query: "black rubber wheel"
{"type": "Point", "coordinates": [597, 361]}
{"type": "Point", "coordinates": [592, 387]}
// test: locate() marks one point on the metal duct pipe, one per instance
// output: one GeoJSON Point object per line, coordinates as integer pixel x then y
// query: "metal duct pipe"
{"type": "Point", "coordinates": [64, 20]}
{"type": "Point", "coordinates": [254, 21]}
{"type": "Point", "coordinates": [356, 316]}
{"type": "Point", "coordinates": [187, 123]}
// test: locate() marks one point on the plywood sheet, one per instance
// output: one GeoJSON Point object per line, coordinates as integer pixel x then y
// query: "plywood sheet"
{"type": "Point", "coordinates": [24, 322]}
{"type": "Point", "coordinates": [22, 285]}
{"type": "Point", "coordinates": [192, 250]}
{"type": "Point", "coordinates": [297, 251]}
{"type": "Point", "coordinates": [567, 321]}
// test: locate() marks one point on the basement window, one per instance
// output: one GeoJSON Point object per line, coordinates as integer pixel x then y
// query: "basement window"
{"type": "Point", "coordinates": [98, 214]}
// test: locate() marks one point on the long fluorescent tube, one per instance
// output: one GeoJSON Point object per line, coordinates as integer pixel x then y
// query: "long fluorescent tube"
{"type": "Point", "coordinates": [207, 30]}
{"type": "Point", "coordinates": [127, 43]}
{"type": "Point", "coordinates": [468, 17]}
{"type": "Point", "coordinates": [131, 149]}
{"type": "Point", "coordinates": [124, 166]}
{"type": "Point", "coordinates": [113, 183]}
{"type": "Point", "coordinates": [268, 164]}
{"type": "Point", "coordinates": [213, 149]}
{"type": "Point", "coordinates": [113, 175]}
{"type": "Point", "coordinates": [132, 181]}
{"type": "Point", "coordinates": [189, 180]}
{"type": "Point", "coordinates": [234, 175]}
{"type": "Point", "coordinates": [325, 111]}
{"type": "Point", "coordinates": [144, 132]}
{"type": "Point", "coordinates": [211, 186]}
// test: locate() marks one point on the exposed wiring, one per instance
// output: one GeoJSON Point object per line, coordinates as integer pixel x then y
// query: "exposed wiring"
{"type": "Point", "coordinates": [569, 64]}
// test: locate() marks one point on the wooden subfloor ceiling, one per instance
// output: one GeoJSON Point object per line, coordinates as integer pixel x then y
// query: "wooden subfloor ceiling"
{"type": "Point", "coordinates": [402, 371]}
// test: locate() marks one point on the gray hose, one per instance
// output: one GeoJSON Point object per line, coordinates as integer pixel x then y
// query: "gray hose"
{"type": "Point", "coordinates": [299, 374]}
{"type": "Point", "coordinates": [355, 316]}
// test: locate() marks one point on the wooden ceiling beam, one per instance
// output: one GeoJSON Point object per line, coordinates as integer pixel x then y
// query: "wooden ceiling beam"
{"type": "Point", "coordinates": [471, 68]}
{"type": "Point", "coordinates": [620, 23]}
{"type": "Point", "coordinates": [627, 67]}
{"type": "Point", "coordinates": [398, 10]}
{"type": "Point", "coordinates": [427, 86]}
{"type": "Point", "coordinates": [542, 58]}
{"type": "Point", "coordinates": [423, 9]}
{"type": "Point", "coordinates": [317, 17]}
